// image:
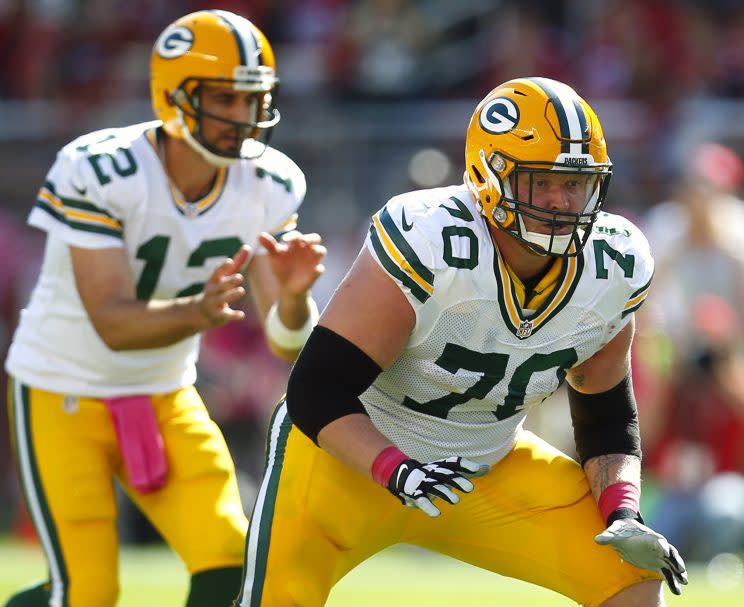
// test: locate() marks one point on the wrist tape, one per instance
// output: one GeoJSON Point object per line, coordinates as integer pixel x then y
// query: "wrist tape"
{"type": "Point", "coordinates": [290, 339]}
{"type": "Point", "coordinates": [386, 463]}
{"type": "Point", "coordinates": [619, 495]}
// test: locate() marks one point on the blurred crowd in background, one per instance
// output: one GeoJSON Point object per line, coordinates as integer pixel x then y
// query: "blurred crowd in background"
{"type": "Point", "coordinates": [375, 97]}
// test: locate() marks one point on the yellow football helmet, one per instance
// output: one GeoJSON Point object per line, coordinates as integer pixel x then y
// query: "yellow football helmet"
{"type": "Point", "coordinates": [526, 127]}
{"type": "Point", "coordinates": [213, 48]}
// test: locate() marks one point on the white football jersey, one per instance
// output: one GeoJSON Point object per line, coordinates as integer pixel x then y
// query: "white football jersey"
{"type": "Point", "coordinates": [109, 189]}
{"type": "Point", "coordinates": [476, 362]}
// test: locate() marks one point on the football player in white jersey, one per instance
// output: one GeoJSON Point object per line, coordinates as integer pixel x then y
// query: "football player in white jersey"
{"type": "Point", "coordinates": [468, 306]}
{"type": "Point", "coordinates": [149, 230]}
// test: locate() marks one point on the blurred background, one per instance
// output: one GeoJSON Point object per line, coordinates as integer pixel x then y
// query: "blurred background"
{"type": "Point", "coordinates": [375, 98]}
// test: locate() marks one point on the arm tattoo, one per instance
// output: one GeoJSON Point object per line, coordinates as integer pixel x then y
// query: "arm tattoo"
{"type": "Point", "coordinates": [577, 379]}
{"type": "Point", "coordinates": [612, 468]}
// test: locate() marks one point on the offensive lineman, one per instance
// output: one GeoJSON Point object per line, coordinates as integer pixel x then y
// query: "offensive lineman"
{"type": "Point", "coordinates": [467, 306]}
{"type": "Point", "coordinates": [149, 230]}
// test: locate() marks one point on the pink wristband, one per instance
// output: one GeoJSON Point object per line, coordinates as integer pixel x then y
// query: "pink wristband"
{"type": "Point", "coordinates": [619, 495]}
{"type": "Point", "coordinates": [385, 463]}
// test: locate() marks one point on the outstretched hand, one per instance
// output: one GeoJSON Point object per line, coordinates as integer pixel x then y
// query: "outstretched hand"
{"type": "Point", "coordinates": [224, 287]}
{"type": "Point", "coordinates": [295, 260]}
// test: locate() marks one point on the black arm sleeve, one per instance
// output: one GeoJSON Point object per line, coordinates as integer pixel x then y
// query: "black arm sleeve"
{"type": "Point", "coordinates": [606, 422]}
{"type": "Point", "coordinates": [326, 381]}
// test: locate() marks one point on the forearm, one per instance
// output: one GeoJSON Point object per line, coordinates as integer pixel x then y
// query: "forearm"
{"type": "Point", "coordinates": [137, 325]}
{"type": "Point", "coordinates": [354, 440]}
{"type": "Point", "coordinates": [104, 282]}
{"type": "Point", "coordinates": [605, 470]}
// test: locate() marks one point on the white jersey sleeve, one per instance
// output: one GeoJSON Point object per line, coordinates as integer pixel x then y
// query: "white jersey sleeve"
{"type": "Point", "coordinates": [75, 203]}
{"type": "Point", "coordinates": [405, 238]}
{"type": "Point", "coordinates": [283, 183]}
{"type": "Point", "coordinates": [620, 254]}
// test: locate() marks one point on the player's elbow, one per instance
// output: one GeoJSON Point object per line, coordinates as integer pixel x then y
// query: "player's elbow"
{"type": "Point", "coordinates": [105, 334]}
{"type": "Point", "coordinates": [113, 340]}
{"type": "Point", "coordinates": [112, 334]}
{"type": "Point", "coordinates": [327, 380]}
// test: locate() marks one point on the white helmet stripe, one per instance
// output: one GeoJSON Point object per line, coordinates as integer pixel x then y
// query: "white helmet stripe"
{"type": "Point", "coordinates": [570, 112]}
{"type": "Point", "coordinates": [242, 29]}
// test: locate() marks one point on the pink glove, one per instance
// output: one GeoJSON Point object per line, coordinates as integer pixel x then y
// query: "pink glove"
{"type": "Point", "coordinates": [140, 442]}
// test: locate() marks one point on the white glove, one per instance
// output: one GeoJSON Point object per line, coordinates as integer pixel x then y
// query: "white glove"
{"type": "Point", "coordinates": [416, 485]}
{"type": "Point", "coordinates": [642, 547]}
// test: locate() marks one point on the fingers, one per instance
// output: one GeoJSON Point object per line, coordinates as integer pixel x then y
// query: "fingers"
{"type": "Point", "coordinates": [232, 265]}
{"type": "Point", "coordinates": [292, 240]}
{"type": "Point", "coordinates": [473, 469]}
{"type": "Point", "coordinates": [443, 491]}
{"type": "Point", "coordinates": [425, 504]}
{"type": "Point", "coordinates": [450, 478]}
{"type": "Point", "coordinates": [455, 471]}
{"type": "Point", "coordinates": [268, 242]}
{"type": "Point", "coordinates": [676, 563]}
{"type": "Point", "coordinates": [240, 259]}
{"type": "Point", "coordinates": [604, 538]}
{"type": "Point", "coordinates": [675, 573]}
{"type": "Point", "coordinates": [462, 484]}
{"type": "Point", "coordinates": [224, 288]}
{"type": "Point", "coordinates": [671, 581]}
{"type": "Point", "coordinates": [311, 238]}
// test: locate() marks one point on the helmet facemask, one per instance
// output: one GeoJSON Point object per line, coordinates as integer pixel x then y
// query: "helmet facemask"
{"type": "Point", "coordinates": [567, 231]}
{"type": "Point", "coordinates": [252, 136]}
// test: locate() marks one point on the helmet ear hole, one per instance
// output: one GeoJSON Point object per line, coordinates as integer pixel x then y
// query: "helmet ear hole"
{"type": "Point", "coordinates": [177, 97]}
{"type": "Point", "coordinates": [266, 107]}
{"type": "Point", "coordinates": [477, 174]}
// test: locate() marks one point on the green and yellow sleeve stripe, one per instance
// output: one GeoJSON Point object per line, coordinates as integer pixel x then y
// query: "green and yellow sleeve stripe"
{"type": "Point", "coordinates": [398, 257]}
{"type": "Point", "coordinates": [287, 226]}
{"type": "Point", "coordinates": [637, 298]}
{"type": "Point", "coordinates": [77, 214]}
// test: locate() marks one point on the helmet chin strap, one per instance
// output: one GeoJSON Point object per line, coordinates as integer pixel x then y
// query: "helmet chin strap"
{"type": "Point", "coordinates": [220, 162]}
{"type": "Point", "coordinates": [560, 244]}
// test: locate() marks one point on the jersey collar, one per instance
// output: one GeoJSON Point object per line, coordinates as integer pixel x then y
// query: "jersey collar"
{"type": "Point", "coordinates": [192, 208]}
{"type": "Point", "coordinates": [552, 294]}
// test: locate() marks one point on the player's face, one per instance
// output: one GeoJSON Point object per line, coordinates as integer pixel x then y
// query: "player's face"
{"type": "Point", "coordinates": [228, 104]}
{"type": "Point", "coordinates": [554, 192]}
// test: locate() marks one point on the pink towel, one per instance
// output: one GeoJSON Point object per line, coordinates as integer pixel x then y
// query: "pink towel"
{"type": "Point", "coordinates": [140, 442]}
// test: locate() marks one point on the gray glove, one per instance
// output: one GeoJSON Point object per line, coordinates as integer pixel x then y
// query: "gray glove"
{"type": "Point", "coordinates": [642, 547]}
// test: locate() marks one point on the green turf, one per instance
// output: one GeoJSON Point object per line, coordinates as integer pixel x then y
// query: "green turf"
{"type": "Point", "coordinates": [402, 577]}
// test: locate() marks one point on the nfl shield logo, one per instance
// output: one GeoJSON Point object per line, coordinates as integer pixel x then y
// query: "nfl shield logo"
{"type": "Point", "coordinates": [525, 329]}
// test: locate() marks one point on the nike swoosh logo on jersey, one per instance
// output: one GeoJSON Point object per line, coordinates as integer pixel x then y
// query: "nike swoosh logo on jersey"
{"type": "Point", "coordinates": [407, 227]}
{"type": "Point", "coordinates": [81, 191]}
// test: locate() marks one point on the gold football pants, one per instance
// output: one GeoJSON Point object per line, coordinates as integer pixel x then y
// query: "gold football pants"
{"type": "Point", "coordinates": [532, 517]}
{"type": "Point", "coordinates": [67, 456]}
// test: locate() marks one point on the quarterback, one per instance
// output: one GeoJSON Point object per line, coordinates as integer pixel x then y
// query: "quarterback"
{"type": "Point", "coordinates": [467, 307]}
{"type": "Point", "coordinates": [149, 230]}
